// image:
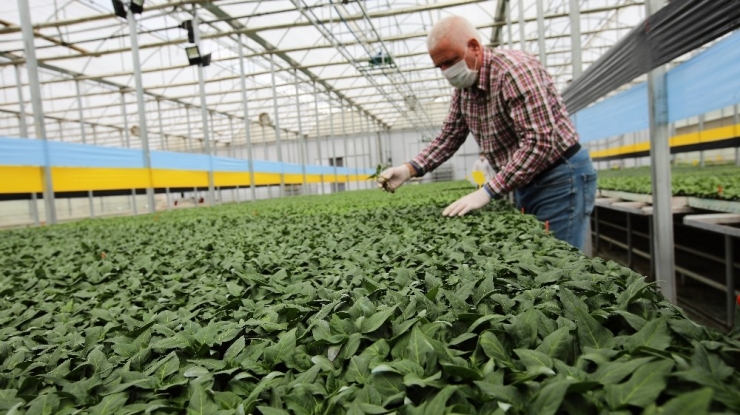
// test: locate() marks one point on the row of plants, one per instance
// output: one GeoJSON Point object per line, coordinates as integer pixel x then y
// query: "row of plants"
{"type": "Point", "coordinates": [716, 182]}
{"type": "Point", "coordinates": [357, 303]}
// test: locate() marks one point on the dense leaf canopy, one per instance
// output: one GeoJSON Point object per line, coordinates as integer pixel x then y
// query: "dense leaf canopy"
{"type": "Point", "coordinates": [353, 303]}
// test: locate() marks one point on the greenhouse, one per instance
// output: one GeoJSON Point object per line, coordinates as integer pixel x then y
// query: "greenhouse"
{"type": "Point", "coordinates": [369, 207]}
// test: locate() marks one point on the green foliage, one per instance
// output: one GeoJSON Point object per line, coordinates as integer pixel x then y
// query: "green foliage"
{"type": "Point", "coordinates": [378, 170]}
{"type": "Point", "coordinates": [717, 182]}
{"type": "Point", "coordinates": [359, 303]}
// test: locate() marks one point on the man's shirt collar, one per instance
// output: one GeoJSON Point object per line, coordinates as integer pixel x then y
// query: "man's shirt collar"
{"type": "Point", "coordinates": [484, 74]}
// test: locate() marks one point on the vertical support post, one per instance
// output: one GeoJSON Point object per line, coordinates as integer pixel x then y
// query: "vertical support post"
{"type": "Point", "coordinates": [33, 203]}
{"type": "Point", "coordinates": [125, 119]}
{"type": "Point", "coordinates": [80, 112]}
{"type": "Point", "coordinates": [663, 253]}
{"type": "Point", "coordinates": [702, 163]}
{"type": "Point", "coordinates": [190, 147]}
{"type": "Point", "coordinates": [190, 131]}
{"type": "Point", "coordinates": [140, 102]}
{"type": "Point", "coordinates": [730, 281]}
{"type": "Point", "coordinates": [127, 136]}
{"type": "Point", "coordinates": [597, 240]}
{"type": "Point", "coordinates": [29, 50]}
{"type": "Point", "coordinates": [379, 144]}
{"type": "Point", "coordinates": [163, 146]}
{"type": "Point", "coordinates": [212, 126]}
{"type": "Point", "coordinates": [522, 25]}
{"type": "Point", "coordinates": [318, 129]}
{"type": "Point", "coordinates": [231, 152]}
{"type": "Point", "coordinates": [369, 140]}
{"type": "Point", "coordinates": [247, 127]}
{"type": "Point", "coordinates": [575, 38]}
{"type": "Point", "coordinates": [90, 203]}
{"type": "Point", "coordinates": [651, 250]}
{"type": "Point", "coordinates": [162, 138]}
{"type": "Point", "coordinates": [541, 32]}
{"type": "Point", "coordinates": [23, 128]}
{"type": "Point", "coordinates": [576, 58]}
{"type": "Point", "coordinates": [300, 130]}
{"type": "Point", "coordinates": [204, 112]}
{"type": "Point", "coordinates": [629, 241]}
{"type": "Point", "coordinates": [345, 159]}
{"type": "Point", "coordinates": [22, 104]}
{"type": "Point", "coordinates": [266, 157]}
{"type": "Point", "coordinates": [509, 41]}
{"type": "Point", "coordinates": [335, 182]}
{"type": "Point", "coordinates": [736, 118]}
{"type": "Point", "coordinates": [277, 125]}
{"type": "Point", "coordinates": [388, 148]}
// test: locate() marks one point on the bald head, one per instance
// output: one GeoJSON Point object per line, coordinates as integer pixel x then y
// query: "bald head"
{"type": "Point", "coordinates": [456, 30]}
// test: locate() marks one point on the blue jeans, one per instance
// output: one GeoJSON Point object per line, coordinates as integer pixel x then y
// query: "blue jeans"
{"type": "Point", "coordinates": [564, 196]}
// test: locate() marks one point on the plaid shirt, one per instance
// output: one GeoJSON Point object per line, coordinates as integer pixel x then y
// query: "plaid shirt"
{"type": "Point", "coordinates": [516, 116]}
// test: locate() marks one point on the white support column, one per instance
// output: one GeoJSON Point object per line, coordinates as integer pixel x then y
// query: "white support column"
{"type": "Point", "coordinates": [522, 26]}
{"type": "Point", "coordinates": [301, 138]}
{"type": "Point", "coordinates": [702, 162]}
{"type": "Point", "coordinates": [509, 40]}
{"type": "Point", "coordinates": [33, 210]}
{"type": "Point", "coordinates": [162, 138]}
{"type": "Point", "coordinates": [318, 129]}
{"type": "Point", "coordinates": [232, 153]}
{"type": "Point", "coordinates": [379, 144]}
{"type": "Point", "coordinates": [345, 158]}
{"type": "Point", "coordinates": [124, 114]}
{"type": "Point", "coordinates": [127, 141]}
{"type": "Point", "coordinates": [575, 38]}
{"type": "Point", "coordinates": [369, 140]}
{"type": "Point", "coordinates": [211, 197]}
{"type": "Point", "coordinates": [163, 146]}
{"type": "Point", "coordinates": [266, 157]}
{"type": "Point", "coordinates": [247, 124]}
{"type": "Point", "coordinates": [335, 183]}
{"type": "Point", "coordinates": [541, 32]}
{"type": "Point", "coordinates": [90, 198]}
{"type": "Point", "coordinates": [277, 125]}
{"type": "Point", "coordinates": [230, 150]}
{"type": "Point", "coordinates": [190, 131]}
{"type": "Point", "coordinates": [21, 103]}
{"type": "Point", "coordinates": [575, 41]}
{"type": "Point", "coordinates": [736, 118]}
{"type": "Point", "coordinates": [190, 147]}
{"type": "Point", "coordinates": [354, 147]}
{"type": "Point", "coordinates": [212, 128]}
{"type": "Point", "coordinates": [29, 50]}
{"type": "Point", "coordinates": [663, 251]}
{"type": "Point", "coordinates": [143, 132]}
{"type": "Point", "coordinates": [80, 112]}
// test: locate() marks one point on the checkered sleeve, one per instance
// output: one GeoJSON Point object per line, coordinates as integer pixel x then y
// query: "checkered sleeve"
{"type": "Point", "coordinates": [454, 132]}
{"type": "Point", "coordinates": [526, 96]}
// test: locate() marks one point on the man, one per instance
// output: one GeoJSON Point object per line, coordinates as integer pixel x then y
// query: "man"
{"type": "Point", "coordinates": [509, 103]}
{"type": "Point", "coordinates": [482, 165]}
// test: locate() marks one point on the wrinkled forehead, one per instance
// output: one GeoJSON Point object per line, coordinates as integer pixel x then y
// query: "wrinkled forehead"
{"type": "Point", "coordinates": [446, 53]}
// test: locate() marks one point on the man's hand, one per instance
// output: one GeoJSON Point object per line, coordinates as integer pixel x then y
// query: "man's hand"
{"type": "Point", "coordinates": [391, 179]}
{"type": "Point", "coordinates": [465, 204]}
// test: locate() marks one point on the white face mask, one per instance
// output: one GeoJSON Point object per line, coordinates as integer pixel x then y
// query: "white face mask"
{"type": "Point", "coordinates": [459, 75]}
